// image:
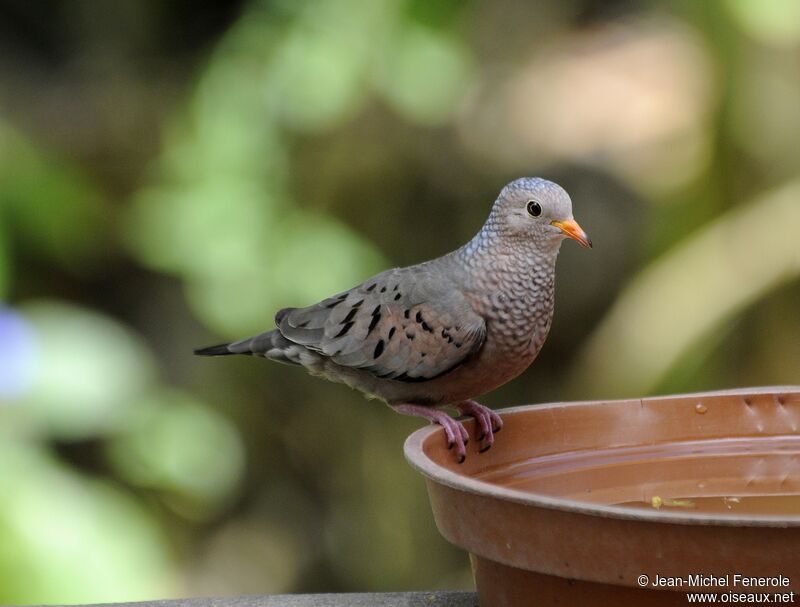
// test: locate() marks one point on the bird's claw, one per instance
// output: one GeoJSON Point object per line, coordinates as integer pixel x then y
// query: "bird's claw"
{"type": "Point", "coordinates": [487, 422]}
{"type": "Point", "coordinates": [455, 433]}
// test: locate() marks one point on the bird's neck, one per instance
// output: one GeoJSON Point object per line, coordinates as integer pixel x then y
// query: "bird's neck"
{"type": "Point", "coordinates": [499, 274]}
{"type": "Point", "coordinates": [517, 255]}
{"type": "Point", "coordinates": [511, 284]}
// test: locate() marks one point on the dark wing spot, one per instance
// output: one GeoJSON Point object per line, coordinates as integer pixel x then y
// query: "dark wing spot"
{"type": "Point", "coordinates": [337, 301]}
{"type": "Point", "coordinates": [372, 287]}
{"type": "Point", "coordinates": [358, 304]}
{"type": "Point", "coordinates": [410, 334]}
{"type": "Point", "coordinates": [419, 317]}
{"type": "Point", "coordinates": [407, 313]}
{"type": "Point", "coordinates": [376, 310]}
{"type": "Point", "coordinates": [345, 329]}
{"type": "Point", "coordinates": [398, 296]}
{"type": "Point", "coordinates": [350, 315]}
{"type": "Point", "coordinates": [426, 327]}
{"type": "Point", "coordinates": [378, 349]}
{"type": "Point", "coordinates": [375, 320]}
{"type": "Point", "coordinates": [383, 289]}
{"type": "Point", "coordinates": [392, 331]}
{"type": "Point", "coordinates": [396, 287]}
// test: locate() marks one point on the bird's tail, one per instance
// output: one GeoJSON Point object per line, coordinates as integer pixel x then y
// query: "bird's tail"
{"type": "Point", "coordinates": [269, 345]}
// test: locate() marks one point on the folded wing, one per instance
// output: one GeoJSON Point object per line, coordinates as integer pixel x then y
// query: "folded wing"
{"type": "Point", "coordinates": [398, 325]}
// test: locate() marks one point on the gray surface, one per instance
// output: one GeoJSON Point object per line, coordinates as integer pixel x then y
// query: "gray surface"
{"type": "Point", "coordinates": [444, 598]}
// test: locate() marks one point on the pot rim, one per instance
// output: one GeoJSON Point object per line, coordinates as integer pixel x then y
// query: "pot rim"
{"type": "Point", "coordinates": [416, 457]}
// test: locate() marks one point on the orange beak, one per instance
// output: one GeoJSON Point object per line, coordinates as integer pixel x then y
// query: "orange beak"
{"type": "Point", "coordinates": [571, 228]}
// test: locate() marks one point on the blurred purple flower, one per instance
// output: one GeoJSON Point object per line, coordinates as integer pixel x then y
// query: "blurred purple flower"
{"type": "Point", "coordinates": [18, 355]}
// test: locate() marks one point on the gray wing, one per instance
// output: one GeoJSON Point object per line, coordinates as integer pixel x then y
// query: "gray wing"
{"type": "Point", "coordinates": [403, 324]}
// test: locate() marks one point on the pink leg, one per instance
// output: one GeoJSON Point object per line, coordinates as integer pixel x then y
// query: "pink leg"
{"type": "Point", "coordinates": [487, 420]}
{"type": "Point", "coordinates": [456, 433]}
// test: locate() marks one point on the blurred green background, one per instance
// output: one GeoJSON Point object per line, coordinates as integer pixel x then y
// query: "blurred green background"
{"type": "Point", "coordinates": [172, 173]}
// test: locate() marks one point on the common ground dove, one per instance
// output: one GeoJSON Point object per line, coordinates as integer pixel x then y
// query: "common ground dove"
{"type": "Point", "coordinates": [443, 332]}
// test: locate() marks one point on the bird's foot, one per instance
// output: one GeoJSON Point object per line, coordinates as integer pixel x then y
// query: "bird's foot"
{"type": "Point", "coordinates": [487, 422]}
{"type": "Point", "coordinates": [456, 433]}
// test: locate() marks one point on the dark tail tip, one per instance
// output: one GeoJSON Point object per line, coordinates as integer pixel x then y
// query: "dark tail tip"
{"type": "Point", "coordinates": [220, 350]}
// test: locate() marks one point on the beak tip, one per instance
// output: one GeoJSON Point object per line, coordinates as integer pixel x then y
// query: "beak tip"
{"type": "Point", "coordinates": [571, 229]}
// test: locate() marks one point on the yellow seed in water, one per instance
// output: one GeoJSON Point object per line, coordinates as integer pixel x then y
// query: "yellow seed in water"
{"type": "Point", "coordinates": [700, 408]}
{"type": "Point", "coordinates": [679, 503]}
{"type": "Point", "coordinates": [656, 502]}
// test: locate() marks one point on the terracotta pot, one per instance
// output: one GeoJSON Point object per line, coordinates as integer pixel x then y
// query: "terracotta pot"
{"type": "Point", "coordinates": [577, 501]}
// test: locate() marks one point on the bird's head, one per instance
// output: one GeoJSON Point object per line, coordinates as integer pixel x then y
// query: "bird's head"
{"type": "Point", "coordinates": [536, 210]}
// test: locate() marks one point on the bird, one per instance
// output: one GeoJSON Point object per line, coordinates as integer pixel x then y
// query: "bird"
{"type": "Point", "coordinates": [436, 335]}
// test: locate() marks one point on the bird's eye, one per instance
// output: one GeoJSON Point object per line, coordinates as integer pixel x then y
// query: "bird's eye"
{"type": "Point", "coordinates": [534, 208]}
